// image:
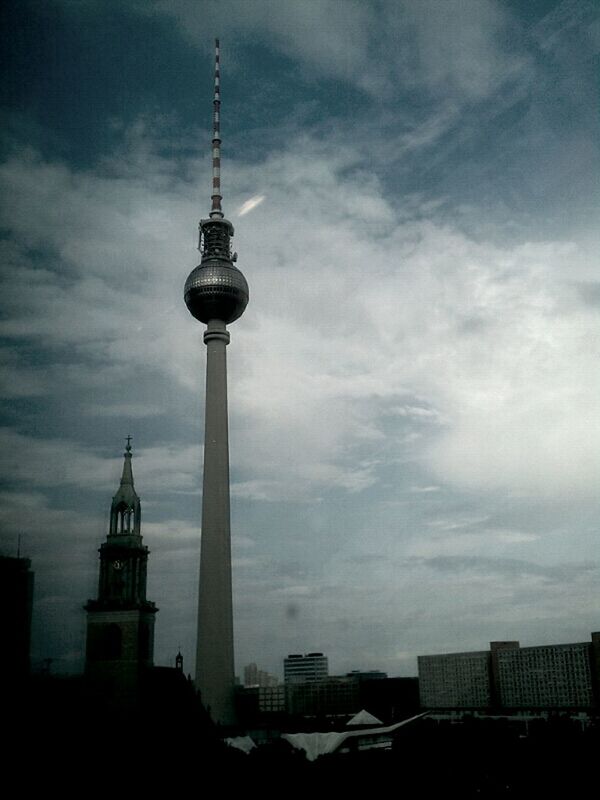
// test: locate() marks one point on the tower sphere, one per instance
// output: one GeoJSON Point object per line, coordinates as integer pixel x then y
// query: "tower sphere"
{"type": "Point", "coordinates": [216, 290]}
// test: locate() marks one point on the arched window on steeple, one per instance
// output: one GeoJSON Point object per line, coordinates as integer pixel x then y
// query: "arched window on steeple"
{"type": "Point", "coordinates": [125, 518]}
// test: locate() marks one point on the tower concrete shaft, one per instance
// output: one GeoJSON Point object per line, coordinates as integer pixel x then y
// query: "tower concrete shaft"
{"type": "Point", "coordinates": [214, 659]}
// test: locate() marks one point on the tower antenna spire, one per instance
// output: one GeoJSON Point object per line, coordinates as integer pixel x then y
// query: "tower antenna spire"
{"type": "Point", "coordinates": [216, 212]}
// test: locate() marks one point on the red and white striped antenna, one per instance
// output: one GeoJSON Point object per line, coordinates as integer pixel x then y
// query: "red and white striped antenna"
{"type": "Point", "coordinates": [216, 211]}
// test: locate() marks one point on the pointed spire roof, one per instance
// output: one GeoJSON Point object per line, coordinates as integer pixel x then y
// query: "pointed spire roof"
{"type": "Point", "coordinates": [126, 493]}
{"type": "Point", "coordinates": [127, 476]}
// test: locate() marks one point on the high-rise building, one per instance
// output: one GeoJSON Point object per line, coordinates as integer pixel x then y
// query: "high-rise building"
{"type": "Point", "coordinates": [120, 622]}
{"type": "Point", "coordinates": [216, 293]}
{"type": "Point", "coordinates": [302, 669]}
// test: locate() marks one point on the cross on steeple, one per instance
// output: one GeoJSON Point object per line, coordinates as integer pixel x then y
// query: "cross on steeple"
{"type": "Point", "coordinates": [129, 437]}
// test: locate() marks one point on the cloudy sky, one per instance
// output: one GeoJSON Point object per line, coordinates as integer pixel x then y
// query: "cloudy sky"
{"type": "Point", "coordinates": [415, 431]}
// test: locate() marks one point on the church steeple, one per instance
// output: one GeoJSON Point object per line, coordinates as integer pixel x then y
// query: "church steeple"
{"type": "Point", "coordinates": [121, 620]}
{"type": "Point", "coordinates": [125, 513]}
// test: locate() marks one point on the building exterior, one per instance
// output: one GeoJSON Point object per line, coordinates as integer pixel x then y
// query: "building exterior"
{"type": "Point", "coordinates": [551, 676]}
{"type": "Point", "coordinates": [390, 699]}
{"type": "Point", "coordinates": [260, 706]}
{"type": "Point", "coordinates": [367, 675]}
{"type": "Point", "coordinates": [120, 621]}
{"type": "Point", "coordinates": [271, 699]}
{"type": "Point", "coordinates": [309, 692]}
{"type": "Point", "coordinates": [16, 601]}
{"type": "Point", "coordinates": [330, 696]}
{"type": "Point", "coordinates": [253, 676]}
{"type": "Point", "coordinates": [455, 680]}
{"type": "Point", "coordinates": [298, 668]}
{"type": "Point", "coordinates": [510, 677]}
{"type": "Point", "coordinates": [216, 293]}
{"type": "Point", "coordinates": [250, 675]}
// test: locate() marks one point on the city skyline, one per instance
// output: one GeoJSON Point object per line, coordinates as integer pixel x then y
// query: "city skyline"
{"type": "Point", "coordinates": [414, 398]}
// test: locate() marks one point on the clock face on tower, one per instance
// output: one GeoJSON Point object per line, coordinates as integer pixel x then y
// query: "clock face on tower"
{"type": "Point", "coordinates": [118, 565]}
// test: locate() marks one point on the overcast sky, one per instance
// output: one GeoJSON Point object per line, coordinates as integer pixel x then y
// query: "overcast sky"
{"type": "Point", "coordinates": [414, 386]}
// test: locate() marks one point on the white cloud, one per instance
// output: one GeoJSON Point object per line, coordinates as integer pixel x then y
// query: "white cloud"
{"type": "Point", "coordinates": [46, 463]}
{"type": "Point", "coordinates": [461, 45]}
{"type": "Point", "coordinates": [250, 204]}
{"type": "Point", "coordinates": [316, 32]}
{"type": "Point", "coordinates": [348, 315]}
{"type": "Point", "coordinates": [455, 46]}
{"type": "Point", "coordinates": [485, 542]}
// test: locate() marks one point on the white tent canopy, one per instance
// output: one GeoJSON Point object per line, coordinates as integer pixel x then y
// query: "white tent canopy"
{"type": "Point", "coordinates": [364, 718]}
{"type": "Point", "coordinates": [318, 744]}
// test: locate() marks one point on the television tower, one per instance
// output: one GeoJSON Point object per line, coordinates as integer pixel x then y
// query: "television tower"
{"type": "Point", "coordinates": [216, 293]}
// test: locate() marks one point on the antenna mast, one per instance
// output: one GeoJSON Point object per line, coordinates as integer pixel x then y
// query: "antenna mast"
{"type": "Point", "coordinates": [216, 210]}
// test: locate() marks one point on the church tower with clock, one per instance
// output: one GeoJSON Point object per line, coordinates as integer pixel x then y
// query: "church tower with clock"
{"type": "Point", "coordinates": [120, 622]}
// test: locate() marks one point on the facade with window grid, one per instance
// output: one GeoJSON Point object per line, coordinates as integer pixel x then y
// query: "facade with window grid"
{"type": "Point", "coordinates": [455, 680]}
{"type": "Point", "coordinates": [560, 676]}
{"type": "Point", "coordinates": [551, 676]}
{"type": "Point", "coordinates": [298, 668]}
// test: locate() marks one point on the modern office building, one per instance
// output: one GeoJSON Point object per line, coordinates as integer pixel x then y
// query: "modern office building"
{"type": "Point", "coordinates": [550, 676]}
{"type": "Point", "coordinates": [271, 699]}
{"type": "Point", "coordinates": [259, 706]}
{"type": "Point", "coordinates": [298, 668]}
{"type": "Point", "coordinates": [455, 680]}
{"type": "Point", "coordinates": [216, 294]}
{"type": "Point", "coordinates": [329, 696]}
{"type": "Point", "coordinates": [389, 699]}
{"type": "Point", "coordinates": [509, 677]}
